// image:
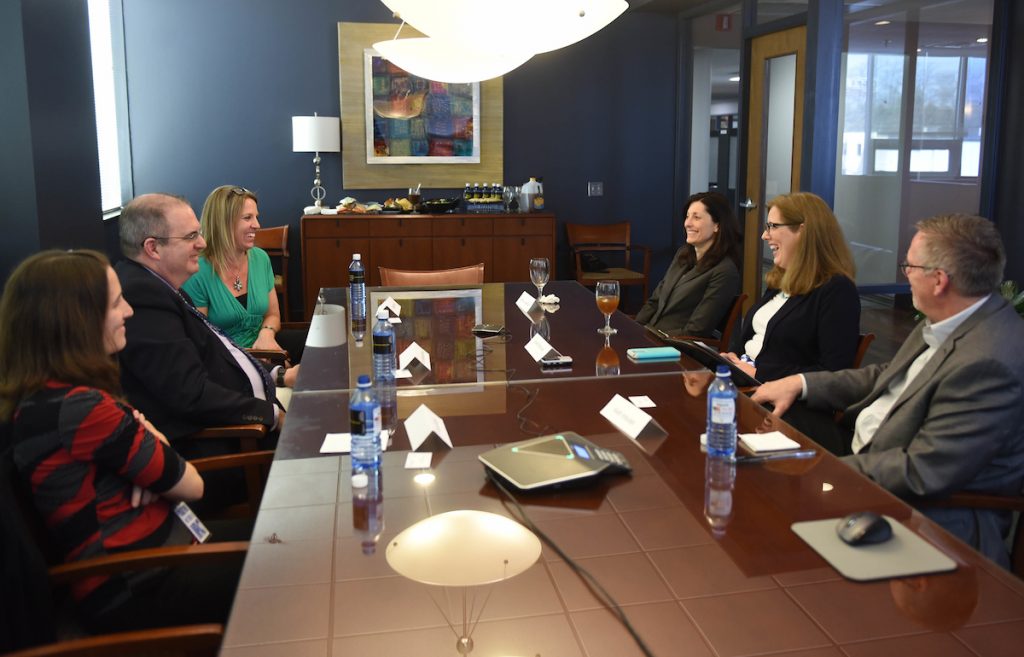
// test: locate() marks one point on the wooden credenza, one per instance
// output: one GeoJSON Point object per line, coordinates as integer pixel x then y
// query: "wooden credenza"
{"type": "Point", "coordinates": [503, 242]}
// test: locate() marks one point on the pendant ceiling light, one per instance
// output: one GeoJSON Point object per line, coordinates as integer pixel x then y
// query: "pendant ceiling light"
{"type": "Point", "coordinates": [436, 59]}
{"type": "Point", "coordinates": [505, 26]}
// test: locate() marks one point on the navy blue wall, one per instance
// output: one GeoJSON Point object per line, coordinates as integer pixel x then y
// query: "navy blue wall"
{"type": "Point", "coordinates": [213, 87]}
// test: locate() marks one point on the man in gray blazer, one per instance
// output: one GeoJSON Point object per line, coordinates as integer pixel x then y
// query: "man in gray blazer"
{"type": "Point", "coordinates": [947, 413]}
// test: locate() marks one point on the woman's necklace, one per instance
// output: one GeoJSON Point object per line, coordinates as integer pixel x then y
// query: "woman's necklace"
{"type": "Point", "coordinates": [237, 273]}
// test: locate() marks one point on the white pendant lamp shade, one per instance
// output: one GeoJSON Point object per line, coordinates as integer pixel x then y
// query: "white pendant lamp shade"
{"type": "Point", "coordinates": [533, 26]}
{"type": "Point", "coordinates": [442, 61]}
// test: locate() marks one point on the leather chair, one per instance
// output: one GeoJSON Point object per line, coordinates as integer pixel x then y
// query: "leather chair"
{"type": "Point", "coordinates": [471, 275]}
{"type": "Point", "coordinates": [970, 500]}
{"type": "Point", "coordinates": [275, 242]}
{"type": "Point", "coordinates": [603, 241]}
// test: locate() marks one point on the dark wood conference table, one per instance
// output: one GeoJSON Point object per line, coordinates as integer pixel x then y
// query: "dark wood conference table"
{"type": "Point", "coordinates": [315, 583]}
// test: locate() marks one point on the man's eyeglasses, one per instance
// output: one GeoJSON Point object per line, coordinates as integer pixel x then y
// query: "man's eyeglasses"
{"type": "Point", "coordinates": [770, 226]}
{"type": "Point", "coordinates": [190, 237]}
{"type": "Point", "coordinates": [905, 268]}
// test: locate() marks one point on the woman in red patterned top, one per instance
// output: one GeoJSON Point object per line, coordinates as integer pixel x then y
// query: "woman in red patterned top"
{"type": "Point", "coordinates": [102, 477]}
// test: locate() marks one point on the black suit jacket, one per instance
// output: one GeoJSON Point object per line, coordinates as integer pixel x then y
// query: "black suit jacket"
{"type": "Point", "coordinates": [811, 332]}
{"type": "Point", "coordinates": [175, 369]}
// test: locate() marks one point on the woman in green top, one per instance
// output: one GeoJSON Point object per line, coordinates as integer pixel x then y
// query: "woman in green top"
{"type": "Point", "coordinates": [234, 286]}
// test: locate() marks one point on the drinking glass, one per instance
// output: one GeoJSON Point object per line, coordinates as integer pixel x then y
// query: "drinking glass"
{"type": "Point", "coordinates": [414, 198]}
{"type": "Point", "coordinates": [607, 293]}
{"type": "Point", "coordinates": [607, 363]}
{"type": "Point", "coordinates": [539, 272]}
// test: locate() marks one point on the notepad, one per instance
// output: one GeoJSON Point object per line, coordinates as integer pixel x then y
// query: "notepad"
{"type": "Point", "coordinates": [773, 441]}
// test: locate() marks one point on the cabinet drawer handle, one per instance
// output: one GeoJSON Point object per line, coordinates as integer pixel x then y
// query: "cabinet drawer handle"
{"type": "Point", "coordinates": [522, 241]}
{"type": "Point", "coordinates": [400, 222]}
{"type": "Point", "coordinates": [337, 244]}
{"type": "Point", "coordinates": [401, 241]}
{"type": "Point", "coordinates": [463, 241]}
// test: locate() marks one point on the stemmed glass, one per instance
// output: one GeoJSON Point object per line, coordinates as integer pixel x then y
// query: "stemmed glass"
{"type": "Point", "coordinates": [539, 272]}
{"type": "Point", "coordinates": [607, 293]}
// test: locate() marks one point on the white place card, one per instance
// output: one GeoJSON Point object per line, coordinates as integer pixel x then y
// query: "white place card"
{"type": "Point", "coordinates": [418, 460]}
{"type": "Point", "coordinates": [525, 302]}
{"type": "Point", "coordinates": [392, 305]}
{"type": "Point", "coordinates": [403, 374]}
{"type": "Point", "coordinates": [395, 319]}
{"type": "Point", "coordinates": [411, 353]}
{"type": "Point", "coordinates": [423, 422]}
{"type": "Point", "coordinates": [642, 401]}
{"type": "Point", "coordinates": [537, 347]}
{"type": "Point", "coordinates": [626, 417]}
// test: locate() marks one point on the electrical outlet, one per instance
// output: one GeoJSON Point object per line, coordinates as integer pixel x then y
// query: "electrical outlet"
{"type": "Point", "coordinates": [595, 189]}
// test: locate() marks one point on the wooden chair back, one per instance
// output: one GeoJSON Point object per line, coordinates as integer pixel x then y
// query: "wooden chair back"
{"type": "Point", "coordinates": [1014, 503]}
{"type": "Point", "coordinates": [863, 343]}
{"type": "Point", "coordinates": [471, 275]}
{"type": "Point", "coordinates": [275, 242]}
{"type": "Point", "coordinates": [608, 239]}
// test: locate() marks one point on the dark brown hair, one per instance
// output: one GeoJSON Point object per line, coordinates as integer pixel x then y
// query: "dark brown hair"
{"type": "Point", "coordinates": [51, 326]}
{"type": "Point", "coordinates": [726, 242]}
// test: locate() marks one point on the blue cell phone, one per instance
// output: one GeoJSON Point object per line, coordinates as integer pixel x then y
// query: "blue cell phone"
{"type": "Point", "coordinates": [642, 354]}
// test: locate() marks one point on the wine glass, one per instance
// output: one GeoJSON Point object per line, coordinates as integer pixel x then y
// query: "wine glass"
{"type": "Point", "coordinates": [539, 272]}
{"type": "Point", "coordinates": [607, 293]}
{"type": "Point", "coordinates": [607, 363]}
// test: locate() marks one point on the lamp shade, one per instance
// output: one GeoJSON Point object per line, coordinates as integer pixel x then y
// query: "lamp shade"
{"type": "Point", "coordinates": [316, 134]}
{"type": "Point", "coordinates": [533, 26]}
{"type": "Point", "coordinates": [444, 61]}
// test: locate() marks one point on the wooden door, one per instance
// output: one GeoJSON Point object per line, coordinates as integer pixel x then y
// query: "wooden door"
{"type": "Point", "coordinates": [774, 128]}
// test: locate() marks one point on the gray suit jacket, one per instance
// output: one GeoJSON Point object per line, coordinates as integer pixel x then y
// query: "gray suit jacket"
{"type": "Point", "coordinates": [959, 425]}
{"type": "Point", "coordinates": [692, 302]}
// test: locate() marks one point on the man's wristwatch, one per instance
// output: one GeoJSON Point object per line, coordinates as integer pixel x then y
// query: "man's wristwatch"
{"type": "Point", "coordinates": [280, 377]}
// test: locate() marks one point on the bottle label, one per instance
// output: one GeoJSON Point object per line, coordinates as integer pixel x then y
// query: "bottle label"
{"type": "Point", "coordinates": [381, 344]}
{"type": "Point", "coordinates": [357, 421]}
{"type": "Point", "coordinates": [356, 277]}
{"type": "Point", "coordinates": [538, 202]}
{"type": "Point", "coordinates": [723, 411]}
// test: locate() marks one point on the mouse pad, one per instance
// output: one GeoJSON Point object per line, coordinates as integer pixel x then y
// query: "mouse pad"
{"type": "Point", "coordinates": [904, 554]}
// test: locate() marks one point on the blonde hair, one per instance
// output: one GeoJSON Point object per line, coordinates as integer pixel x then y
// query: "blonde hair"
{"type": "Point", "coordinates": [821, 251]}
{"type": "Point", "coordinates": [222, 207]}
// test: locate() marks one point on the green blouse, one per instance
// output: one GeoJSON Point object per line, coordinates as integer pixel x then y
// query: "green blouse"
{"type": "Point", "coordinates": [241, 323]}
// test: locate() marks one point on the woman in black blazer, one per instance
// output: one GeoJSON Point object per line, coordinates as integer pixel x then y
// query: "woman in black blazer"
{"type": "Point", "coordinates": [809, 317]}
{"type": "Point", "coordinates": [697, 291]}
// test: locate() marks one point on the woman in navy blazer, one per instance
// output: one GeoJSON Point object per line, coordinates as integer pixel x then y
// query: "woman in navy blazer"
{"type": "Point", "coordinates": [809, 316]}
{"type": "Point", "coordinates": [697, 291]}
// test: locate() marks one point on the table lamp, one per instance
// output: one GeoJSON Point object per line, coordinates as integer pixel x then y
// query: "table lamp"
{"type": "Point", "coordinates": [313, 134]}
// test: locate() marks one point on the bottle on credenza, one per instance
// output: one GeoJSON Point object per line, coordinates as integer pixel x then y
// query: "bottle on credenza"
{"type": "Point", "coordinates": [467, 193]}
{"type": "Point", "coordinates": [364, 428]}
{"type": "Point", "coordinates": [474, 192]}
{"type": "Point", "coordinates": [529, 194]}
{"type": "Point", "coordinates": [721, 420]}
{"type": "Point", "coordinates": [384, 366]}
{"type": "Point", "coordinates": [357, 297]}
{"type": "Point", "coordinates": [538, 200]}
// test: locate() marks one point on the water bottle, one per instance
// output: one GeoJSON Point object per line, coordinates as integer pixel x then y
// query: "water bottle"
{"type": "Point", "coordinates": [719, 479]}
{"type": "Point", "coordinates": [368, 510]}
{"type": "Point", "coordinates": [721, 426]}
{"type": "Point", "coordinates": [357, 297]}
{"type": "Point", "coordinates": [364, 426]}
{"type": "Point", "coordinates": [384, 366]}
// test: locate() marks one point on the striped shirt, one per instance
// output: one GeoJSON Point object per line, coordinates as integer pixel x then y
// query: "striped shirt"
{"type": "Point", "coordinates": [81, 451]}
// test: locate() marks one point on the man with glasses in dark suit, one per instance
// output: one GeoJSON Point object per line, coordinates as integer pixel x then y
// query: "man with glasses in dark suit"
{"type": "Point", "coordinates": [946, 414]}
{"type": "Point", "coordinates": [176, 368]}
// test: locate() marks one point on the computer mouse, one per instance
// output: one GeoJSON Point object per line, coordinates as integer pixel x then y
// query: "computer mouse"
{"type": "Point", "coordinates": [864, 528]}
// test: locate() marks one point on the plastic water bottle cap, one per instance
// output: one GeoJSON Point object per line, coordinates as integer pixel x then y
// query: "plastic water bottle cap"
{"type": "Point", "coordinates": [382, 313]}
{"type": "Point", "coordinates": [356, 256]}
{"type": "Point", "coordinates": [723, 370]}
{"type": "Point", "coordinates": [363, 380]}
{"type": "Point", "coordinates": [360, 480]}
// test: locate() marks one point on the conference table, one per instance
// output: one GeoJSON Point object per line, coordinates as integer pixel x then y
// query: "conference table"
{"type": "Point", "coordinates": [691, 580]}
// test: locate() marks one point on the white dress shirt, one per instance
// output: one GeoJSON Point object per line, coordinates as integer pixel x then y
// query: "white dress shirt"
{"type": "Point", "coordinates": [759, 322]}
